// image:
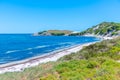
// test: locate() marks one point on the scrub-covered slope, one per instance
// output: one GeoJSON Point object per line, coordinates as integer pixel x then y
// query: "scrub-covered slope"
{"type": "Point", "coordinates": [95, 62]}
{"type": "Point", "coordinates": [107, 29]}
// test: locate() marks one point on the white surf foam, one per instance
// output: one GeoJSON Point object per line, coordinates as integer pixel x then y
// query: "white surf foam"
{"type": "Point", "coordinates": [29, 48]}
{"type": "Point", "coordinates": [41, 46]}
{"type": "Point", "coordinates": [12, 51]}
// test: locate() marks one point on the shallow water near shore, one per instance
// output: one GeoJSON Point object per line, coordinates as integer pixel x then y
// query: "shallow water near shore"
{"type": "Point", "coordinates": [16, 47]}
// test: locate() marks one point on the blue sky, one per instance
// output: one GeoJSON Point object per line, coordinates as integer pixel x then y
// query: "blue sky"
{"type": "Point", "coordinates": [29, 16]}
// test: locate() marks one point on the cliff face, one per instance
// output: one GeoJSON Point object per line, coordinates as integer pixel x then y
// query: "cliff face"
{"type": "Point", "coordinates": [104, 29]}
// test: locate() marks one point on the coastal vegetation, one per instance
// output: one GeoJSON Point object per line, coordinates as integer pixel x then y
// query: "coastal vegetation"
{"type": "Point", "coordinates": [99, 61]}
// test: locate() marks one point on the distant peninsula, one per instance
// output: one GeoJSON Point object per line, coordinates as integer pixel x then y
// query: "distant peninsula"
{"type": "Point", "coordinates": [54, 33]}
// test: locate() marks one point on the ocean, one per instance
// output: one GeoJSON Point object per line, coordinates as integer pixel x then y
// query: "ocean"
{"type": "Point", "coordinates": [16, 47]}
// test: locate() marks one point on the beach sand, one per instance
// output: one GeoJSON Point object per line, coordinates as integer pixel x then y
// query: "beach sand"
{"type": "Point", "coordinates": [54, 56]}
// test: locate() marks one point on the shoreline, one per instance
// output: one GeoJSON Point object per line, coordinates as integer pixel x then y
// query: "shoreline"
{"type": "Point", "coordinates": [18, 66]}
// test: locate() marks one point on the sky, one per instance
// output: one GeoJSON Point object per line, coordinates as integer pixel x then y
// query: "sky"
{"type": "Point", "coordinates": [30, 16]}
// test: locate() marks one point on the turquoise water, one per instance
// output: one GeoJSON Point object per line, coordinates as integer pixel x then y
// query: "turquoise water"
{"type": "Point", "coordinates": [16, 47]}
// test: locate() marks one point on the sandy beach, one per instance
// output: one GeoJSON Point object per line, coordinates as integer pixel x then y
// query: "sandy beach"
{"type": "Point", "coordinates": [31, 62]}
{"type": "Point", "coordinates": [101, 37]}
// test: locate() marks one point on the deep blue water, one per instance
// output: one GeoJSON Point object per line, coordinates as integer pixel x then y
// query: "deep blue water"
{"type": "Point", "coordinates": [15, 47]}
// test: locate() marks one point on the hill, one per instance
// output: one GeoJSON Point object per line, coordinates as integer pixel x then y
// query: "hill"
{"type": "Point", "coordinates": [107, 29]}
{"type": "Point", "coordinates": [55, 32]}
